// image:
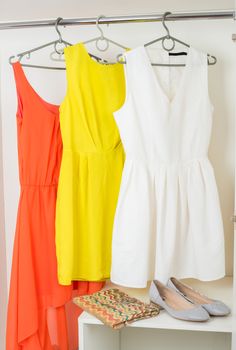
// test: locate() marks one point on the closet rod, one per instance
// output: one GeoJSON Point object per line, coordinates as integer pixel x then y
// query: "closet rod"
{"type": "Point", "coordinates": [178, 16]}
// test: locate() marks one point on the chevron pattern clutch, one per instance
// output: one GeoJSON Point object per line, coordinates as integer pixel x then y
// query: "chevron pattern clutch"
{"type": "Point", "coordinates": [116, 308]}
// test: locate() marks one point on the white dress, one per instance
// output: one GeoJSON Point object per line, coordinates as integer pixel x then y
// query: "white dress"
{"type": "Point", "coordinates": [168, 220]}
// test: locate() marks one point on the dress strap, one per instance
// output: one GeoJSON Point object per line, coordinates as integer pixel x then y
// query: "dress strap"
{"type": "Point", "coordinates": [130, 69]}
{"type": "Point", "coordinates": [198, 58]}
{"type": "Point", "coordinates": [200, 62]}
{"type": "Point", "coordinates": [21, 86]}
{"type": "Point", "coordinates": [127, 73]}
{"type": "Point", "coordinates": [72, 61]}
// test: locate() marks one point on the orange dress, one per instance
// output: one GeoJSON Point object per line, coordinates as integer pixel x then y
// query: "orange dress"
{"type": "Point", "coordinates": [34, 289]}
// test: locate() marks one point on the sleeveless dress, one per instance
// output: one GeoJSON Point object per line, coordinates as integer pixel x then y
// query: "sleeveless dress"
{"type": "Point", "coordinates": [168, 220]}
{"type": "Point", "coordinates": [36, 309]}
{"type": "Point", "coordinates": [91, 167]}
{"type": "Point", "coordinates": [34, 287]}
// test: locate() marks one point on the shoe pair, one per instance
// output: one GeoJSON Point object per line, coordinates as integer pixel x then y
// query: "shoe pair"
{"type": "Point", "coordinates": [185, 303]}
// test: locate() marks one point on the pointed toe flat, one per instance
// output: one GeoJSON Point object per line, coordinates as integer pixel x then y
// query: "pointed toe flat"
{"type": "Point", "coordinates": [175, 304]}
{"type": "Point", "coordinates": [213, 307]}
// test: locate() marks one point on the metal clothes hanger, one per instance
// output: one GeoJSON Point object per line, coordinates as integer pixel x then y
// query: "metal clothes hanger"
{"type": "Point", "coordinates": [211, 59]}
{"type": "Point", "coordinates": [103, 39]}
{"type": "Point", "coordinates": [58, 45]}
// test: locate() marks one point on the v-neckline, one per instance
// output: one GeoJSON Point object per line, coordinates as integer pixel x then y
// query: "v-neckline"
{"type": "Point", "coordinates": [169, 100]}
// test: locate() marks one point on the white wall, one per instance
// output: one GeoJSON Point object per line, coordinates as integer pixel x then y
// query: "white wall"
{"type": "Point", "coordinates": [234, 287]}
{"type": "Point", "coordinates": [20, 10]}
{"type": "Point", "coordinates": [211, 36]}
{"type": "Point", "coordinates": [3, 271]}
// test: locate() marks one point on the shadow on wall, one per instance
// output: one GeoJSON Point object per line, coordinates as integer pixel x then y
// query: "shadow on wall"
{"type": "Point", "coordinates": [221, 143]}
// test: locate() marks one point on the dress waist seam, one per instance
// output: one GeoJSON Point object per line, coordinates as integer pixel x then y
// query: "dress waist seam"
{"type": "Point", "coordinates": [157, 162]}
{"type": "Point", "coordinates": [95, 152]}
{"type": "Point", "coordinates": [37, 186]}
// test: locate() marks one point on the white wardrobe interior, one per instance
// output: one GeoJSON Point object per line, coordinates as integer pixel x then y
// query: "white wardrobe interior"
{"type": "Point", "coordinates": [212, 36]}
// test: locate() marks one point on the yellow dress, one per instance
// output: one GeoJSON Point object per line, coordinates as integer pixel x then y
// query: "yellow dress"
{"type": "Point", "coordinates": [91, 167]}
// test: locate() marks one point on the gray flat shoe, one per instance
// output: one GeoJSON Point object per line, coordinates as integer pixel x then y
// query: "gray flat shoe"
{"type": "Point", "coordinates": [175, 304]}
{"type": "Point", "coordinates": [213, 307]}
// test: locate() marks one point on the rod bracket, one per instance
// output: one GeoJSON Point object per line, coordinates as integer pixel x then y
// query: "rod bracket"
{"type": "Point", "coordinates": [233, 218]}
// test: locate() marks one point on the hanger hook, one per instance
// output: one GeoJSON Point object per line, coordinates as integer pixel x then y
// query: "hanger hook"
{"type": "Point", "coordinates": [98, 27]}
{"type": "Point", "coordinates": [59, 19]}
{"type": "Point", "coordinates": [163, 23]}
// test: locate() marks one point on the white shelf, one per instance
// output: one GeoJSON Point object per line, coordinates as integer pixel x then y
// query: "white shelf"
{"type": "Point", "coordinates": [221, 289]}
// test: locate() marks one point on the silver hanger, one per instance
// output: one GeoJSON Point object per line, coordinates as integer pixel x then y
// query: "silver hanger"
{"type": "Point", "coordinates": [211, 59]}
{"type": "Point", "coordinates": [57, 44]}
{"type": "Point", "coordinates": [103, 39]}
